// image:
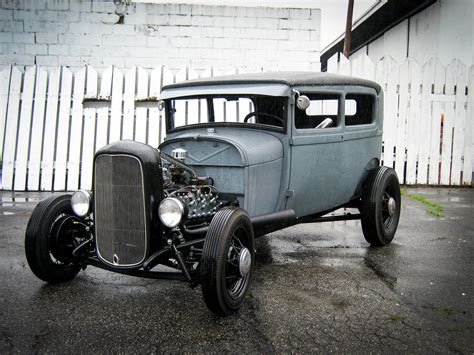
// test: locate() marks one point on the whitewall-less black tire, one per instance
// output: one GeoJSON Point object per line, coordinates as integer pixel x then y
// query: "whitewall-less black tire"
{"type": "Point", "coordinates": [39, 244]}
{"type": "Point", "coordinates": [227, 261]}
{"type": "Point", "coordinates": [381, 204]}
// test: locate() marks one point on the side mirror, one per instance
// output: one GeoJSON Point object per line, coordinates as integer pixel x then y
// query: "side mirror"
{"type": "Point", "coordinates": [302, 102]}
{"type": "Point", "coordinates": [161, 105]}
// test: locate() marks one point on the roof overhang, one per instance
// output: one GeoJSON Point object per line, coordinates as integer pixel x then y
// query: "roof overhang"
{"type": "Point", "coordinates": [374, 23]}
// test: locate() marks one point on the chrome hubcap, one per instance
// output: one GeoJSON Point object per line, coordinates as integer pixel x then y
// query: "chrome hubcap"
{"type": "Point", "coordinates": [392, 205]}
{"type": "Point", "coordinates": [245, 261]}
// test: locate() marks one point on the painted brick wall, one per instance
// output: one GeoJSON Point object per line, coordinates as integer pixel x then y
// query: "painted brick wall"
{"type": "Point", "coordinates": [100, 33]}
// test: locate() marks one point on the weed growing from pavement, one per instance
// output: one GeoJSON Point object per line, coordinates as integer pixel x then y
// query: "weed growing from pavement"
{"type": "Point", "coordinates": [396, 318]}
{"type": "Point", "coordinates": [433, 208]}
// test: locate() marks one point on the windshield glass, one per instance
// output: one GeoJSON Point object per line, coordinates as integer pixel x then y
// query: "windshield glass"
{"type": "Point", "coordinates": [267, 111]}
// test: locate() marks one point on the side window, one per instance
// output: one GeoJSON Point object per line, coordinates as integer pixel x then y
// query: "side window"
{"type": "Point", "coordinates": [322, 112]}
{"type": "Point", "coordinates": [359, 109]}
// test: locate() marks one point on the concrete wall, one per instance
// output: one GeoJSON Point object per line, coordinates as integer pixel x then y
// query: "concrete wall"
{"type": "Point", "coordinates": [444, 30]}
{"type": "Point", "coordinates": [100, 33]}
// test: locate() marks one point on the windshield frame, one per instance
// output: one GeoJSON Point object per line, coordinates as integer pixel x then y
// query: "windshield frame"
{"type": "Point", "coordinates": [259, 126]}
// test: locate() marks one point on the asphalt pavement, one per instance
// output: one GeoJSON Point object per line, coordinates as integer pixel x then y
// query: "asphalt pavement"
{"type": "Point", "coordinates": [316, 288]}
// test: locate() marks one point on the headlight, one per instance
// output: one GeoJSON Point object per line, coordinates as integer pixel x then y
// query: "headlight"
{"type": "Point", "coordinates": [171, 212]}
{"type": "Point", "coordinates": [81, 202]}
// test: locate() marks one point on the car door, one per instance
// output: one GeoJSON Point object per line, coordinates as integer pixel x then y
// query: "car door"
{"type": "Point", "coordinates": [362, 135]}
{"type": "Point", "coordinates": [318, 171]}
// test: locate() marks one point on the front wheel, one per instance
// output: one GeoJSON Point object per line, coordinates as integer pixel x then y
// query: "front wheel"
{"type": "Point", "coordinates": [227, 261]}
{"type": "Point", "coordinates": [50, 239]}
{"type": "Point", "coordinates": [381, 204]}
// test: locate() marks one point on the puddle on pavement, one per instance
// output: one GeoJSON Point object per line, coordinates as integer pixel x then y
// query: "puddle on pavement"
{"type": "Point", "coordinates": [454, 199]}
{"type": "Point", "coordinates": [335, 262]}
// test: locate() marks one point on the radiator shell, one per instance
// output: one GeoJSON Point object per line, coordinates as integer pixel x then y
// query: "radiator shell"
{"type": "Point", "coordinates": [127, 192]}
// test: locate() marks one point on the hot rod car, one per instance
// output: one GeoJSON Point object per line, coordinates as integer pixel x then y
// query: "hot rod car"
{"type": "Point", "coordinates": [244, 155]}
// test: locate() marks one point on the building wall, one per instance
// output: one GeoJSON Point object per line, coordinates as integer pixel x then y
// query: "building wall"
{"type": "Point", "coordinates": [444, 30]}
{"type": "Point", "coordinates": [100, 33]}
{"type": "Point", "coordinates": [393, 43]}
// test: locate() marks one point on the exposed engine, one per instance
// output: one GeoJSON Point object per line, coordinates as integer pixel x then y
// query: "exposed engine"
{"type": "Point", "coordinates": [196, 192]}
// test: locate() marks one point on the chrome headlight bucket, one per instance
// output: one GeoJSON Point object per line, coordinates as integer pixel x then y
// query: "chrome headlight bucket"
{"type": "Point", "coordinates": [81, 202]}
{"type": "Point", "coordinates": [172, 212]}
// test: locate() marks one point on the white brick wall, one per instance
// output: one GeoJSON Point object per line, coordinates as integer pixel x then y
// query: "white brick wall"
{"type": "Point", "coordinates": [77, 32]}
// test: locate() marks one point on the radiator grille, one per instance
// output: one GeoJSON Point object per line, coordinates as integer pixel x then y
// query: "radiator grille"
{"type": "Point", "coordinates": [120, 226]}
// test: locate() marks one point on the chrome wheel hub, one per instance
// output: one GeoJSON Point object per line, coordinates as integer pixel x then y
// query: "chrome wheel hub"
{"type": "Point", "coordinates": [245, 262]}
{"type": "Point", "coordinates": [392, 206]}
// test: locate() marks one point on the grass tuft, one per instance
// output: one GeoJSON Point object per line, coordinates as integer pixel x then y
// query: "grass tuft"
{"type": "Point", "coordinates": [432, 207]}
{"type": "Point", "coordinates": [396, 318]}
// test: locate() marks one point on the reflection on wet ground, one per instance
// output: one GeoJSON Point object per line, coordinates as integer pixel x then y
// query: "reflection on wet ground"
{"type": "Point", "coordinates": [316, 288]}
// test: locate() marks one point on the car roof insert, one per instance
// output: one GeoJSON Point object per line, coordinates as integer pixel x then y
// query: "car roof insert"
{"type": "Point", "coordinates": [297, 78]}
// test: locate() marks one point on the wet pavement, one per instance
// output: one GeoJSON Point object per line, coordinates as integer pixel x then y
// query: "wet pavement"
{"type": "Point", "coordinates": [316, 287]}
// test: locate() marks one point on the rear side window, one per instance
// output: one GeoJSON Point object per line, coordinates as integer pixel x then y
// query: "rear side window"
{"type": "Point", "coordinates": [322, 112]}
{"type": "Point", "coordinates": [359, 109]}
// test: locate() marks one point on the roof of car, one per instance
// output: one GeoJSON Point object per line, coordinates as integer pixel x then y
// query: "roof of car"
{"type": "Point", "coordinates": [296, 78]}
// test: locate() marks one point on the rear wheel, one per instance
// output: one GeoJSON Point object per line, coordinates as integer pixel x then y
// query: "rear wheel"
{"type": "Point", "coordinates": [227, 261]}
{"type": "Point", "coordinates": [381, 204]}
{"type": "Point", "coordinates": [50, 239]}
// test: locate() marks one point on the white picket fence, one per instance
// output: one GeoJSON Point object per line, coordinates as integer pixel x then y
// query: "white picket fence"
{"type": "Point", "coordinates": [51, 123]}
{"type": "Point", "coordinates": [428, 116]}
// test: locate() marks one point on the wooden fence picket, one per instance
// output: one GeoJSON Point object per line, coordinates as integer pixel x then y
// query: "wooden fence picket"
{"type": "Point", "coordinates": [219, 108]}
{"type": "Point", "coordinates": [448, 124]}
{"type": "Point", "coordinates": [129, 104]}
{"type": "Point", "coordinates": [425, 121]}
{"type": "Point", "coordinates": [155, 118]}
{"type": "Point", "coordinates": [88, 137]}
{"type": "Point", "coordinates": [116, 106]}
{"type": "Point", "coordinates": [37, 128]}
{"type": "Point", "coordinates": [436, 124]}
{"type": "Point", "coordinates": [11, 128]}
{"type": "Point", "coordinates": [192, 105]}
{"type": "Point", "coordinates": [49, 141]}
{"type": "Point", "coordinates": [381, 78]}
{"type": "Point", "coordinates": [5, 74]}
{"type": "Point", "coordinates": [390, 110]}
{"type": "Point", "coordinates": [102, 133]}
{"type": "Point", "coordinates": [76, 127]}
{"type": "Point", "coordinates": [141, 112]}
{"type": "Point", "coordinates": [203, 105]}
{"type": "Point", "coordinates": [401, 122]}
{"type": "Point", "coordinates": [167, 77]}
{"type": "Point", "coordinates": [21, 160]}
{"type": "Point", "coordinates": [459, 124]}
{"type": "Point", "coordinates": [63, 130]}
{"type": "Point", "coordinates": [468, 131]}
{"type": "Point", "coordinates": [180, 116]}
{"type": "Point", "coordinates": [413, 122]}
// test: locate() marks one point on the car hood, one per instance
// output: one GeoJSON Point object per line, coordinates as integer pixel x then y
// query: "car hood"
{"type": "Point", "coordinates": [253, 146]}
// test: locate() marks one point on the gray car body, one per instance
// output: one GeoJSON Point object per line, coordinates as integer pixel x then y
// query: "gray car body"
{"type": "Point", "coordinates": [308, 170]}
